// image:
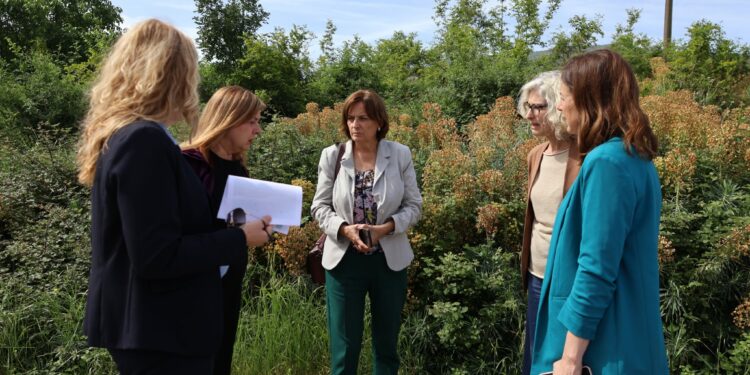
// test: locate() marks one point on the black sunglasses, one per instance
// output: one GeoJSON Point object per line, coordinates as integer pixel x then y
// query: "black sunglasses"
{"type": "Point", "coordinates": [236, 218]}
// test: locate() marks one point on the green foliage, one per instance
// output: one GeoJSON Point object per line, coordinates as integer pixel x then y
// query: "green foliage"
{"type": "Point", "coordinates": [282, 329]}
{"type": "Point", "coordinates": [463, 78]}
{"type": "Point", "coordinates": [713, 67]}
{"type": "Point", "coordinates": [476, 60]}
{"type": "Point", "coordinates": [476, 311]}
{"type": "Point", "coordinates": [38, 93]}
{"type": "Point", "coordinates": [40, 330]}
{"type": "Point", "coordinates": [738, 359]}
{"type": "Point", "coordinates": [636, 48]}
{"type": "Point", "coordinates": [44, 214]}
{"type": "Point", "coordinates": [400, 61]}
{"type": "Point", "coordinates": [223, 26]}
{"type": "Point", "coordinates": [529, 26]}
{"type": "Point", "coordinates": [465, 308]}
{"type": "Point", "coordinates": [349, 69]}
{"type": "Point", "coordinates": [276, 64]}
{"type": "Point", "coordinates": [67, 30]}
{"type": "Point", "coordinates": [581, 38]}
{"type": "Point", "coordinates": [44, 260]}
{"type": "Point", "coordinates": [283, 154]}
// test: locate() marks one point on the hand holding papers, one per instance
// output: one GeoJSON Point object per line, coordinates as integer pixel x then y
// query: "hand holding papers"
{"type": "Point", "coordinates": [257, 198]}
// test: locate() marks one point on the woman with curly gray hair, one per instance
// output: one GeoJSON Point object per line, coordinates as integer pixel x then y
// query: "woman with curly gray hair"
{"type": "Point", "coordinates": [553, 166]}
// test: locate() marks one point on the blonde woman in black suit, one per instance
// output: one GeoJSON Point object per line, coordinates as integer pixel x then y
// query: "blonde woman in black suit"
{"type": "Point", "coordinates": [154, 299]}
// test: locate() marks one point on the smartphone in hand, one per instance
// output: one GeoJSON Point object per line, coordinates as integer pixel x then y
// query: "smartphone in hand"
{"type": "Point", "coordinates": [366, 237]}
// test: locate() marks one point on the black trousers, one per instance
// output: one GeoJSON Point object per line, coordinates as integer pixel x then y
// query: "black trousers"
{"type": "Point", "coordinates": [146, 362]}
{"type": "Point", "coordinates": [232, 293]}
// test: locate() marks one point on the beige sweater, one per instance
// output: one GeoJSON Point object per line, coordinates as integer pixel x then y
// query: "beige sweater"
{"type": "Point", "coordinates": [546, 195]}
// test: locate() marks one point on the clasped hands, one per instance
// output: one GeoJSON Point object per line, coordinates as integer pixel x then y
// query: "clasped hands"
{"type": "Point", "coordinates": [377, 232]}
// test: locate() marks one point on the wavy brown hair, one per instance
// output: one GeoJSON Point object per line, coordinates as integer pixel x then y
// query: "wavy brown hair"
{"type": "Point", "coordinates": [606, 96]}
{"type": "Point", "coordinates": [151, 73]}
{"type": "Point", "coordinates": [228, 107]}
{"type": "Point", "coordinates": [374, 107]}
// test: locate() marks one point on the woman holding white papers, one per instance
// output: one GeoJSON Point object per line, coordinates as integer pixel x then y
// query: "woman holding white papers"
{"type": "Point", "coordinates": [229, 124]}
{"type": "Point", "coordinates": [154, 298]}
{"type": "Point", "coordinates": [366, 211]}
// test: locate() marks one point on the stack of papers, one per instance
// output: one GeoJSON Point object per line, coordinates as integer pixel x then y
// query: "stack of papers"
{"type": "Point", "coordinates": [258, 198]}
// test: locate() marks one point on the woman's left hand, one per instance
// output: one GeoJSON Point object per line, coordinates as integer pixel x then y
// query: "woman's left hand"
{"type": "Point", "coordinates": [571, 362]}
{"type": "Point", "coordinates": [566, 366]}
{"type": "Point", "coordinates": [379, 231]}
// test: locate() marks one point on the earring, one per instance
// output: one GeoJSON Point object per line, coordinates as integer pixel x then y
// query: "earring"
{"type": "Point", "coordinates": [378, 128]}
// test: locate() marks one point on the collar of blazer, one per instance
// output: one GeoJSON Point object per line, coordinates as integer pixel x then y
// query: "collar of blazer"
{"type": "Point", "coordinates": [381, 161]}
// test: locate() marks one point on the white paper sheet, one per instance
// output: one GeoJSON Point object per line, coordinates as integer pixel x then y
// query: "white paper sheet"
{"type": "Point", "coordinates": [257, 198]}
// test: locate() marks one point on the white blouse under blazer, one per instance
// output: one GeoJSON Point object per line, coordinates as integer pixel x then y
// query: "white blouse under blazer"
{"type": "Point", "coordinates": [394, 189]}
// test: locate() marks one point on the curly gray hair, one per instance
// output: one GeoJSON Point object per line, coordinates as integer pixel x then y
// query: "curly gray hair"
{"type": "Point", "coordinates": [547, 84]}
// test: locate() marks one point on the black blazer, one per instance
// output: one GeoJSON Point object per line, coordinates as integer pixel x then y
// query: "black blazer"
{"type": "Point", "coordinates": [154, 282]}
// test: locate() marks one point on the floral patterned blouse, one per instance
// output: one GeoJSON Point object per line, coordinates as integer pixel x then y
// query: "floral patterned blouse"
{"type": "Point", "coordinates": [365, 206]}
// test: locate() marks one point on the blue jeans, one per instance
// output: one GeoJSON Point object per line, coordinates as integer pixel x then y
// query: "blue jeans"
{"type": "Point", "coordinates": [532, 307]}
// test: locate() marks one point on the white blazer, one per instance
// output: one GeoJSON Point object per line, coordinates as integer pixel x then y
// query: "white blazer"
{"type": "Point", "coordinates": [394, 189]}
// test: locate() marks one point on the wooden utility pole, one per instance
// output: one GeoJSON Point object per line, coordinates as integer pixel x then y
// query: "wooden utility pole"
{"type": "Point", "coordinates": [667, 23]}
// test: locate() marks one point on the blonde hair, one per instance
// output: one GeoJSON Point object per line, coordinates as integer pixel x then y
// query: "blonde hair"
{"type": "Point", "coordinates": [228, 107]}
{"type": "Point", "coordinates": [151, 73]}
{"type": "Point", "coordinates": [547, 84]}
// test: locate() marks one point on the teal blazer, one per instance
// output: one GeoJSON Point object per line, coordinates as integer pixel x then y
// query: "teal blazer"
{"type": "Point", "coordinates": [602, 276]}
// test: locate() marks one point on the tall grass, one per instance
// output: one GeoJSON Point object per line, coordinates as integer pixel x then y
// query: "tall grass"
{"type": "Point", "coordinates": [282, 329]}
{"type": "Point", "coordinates": [40, 332]}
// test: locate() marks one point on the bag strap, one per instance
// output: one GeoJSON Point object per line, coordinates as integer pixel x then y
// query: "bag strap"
{"type": "Point", "coordinates": [342, 148]}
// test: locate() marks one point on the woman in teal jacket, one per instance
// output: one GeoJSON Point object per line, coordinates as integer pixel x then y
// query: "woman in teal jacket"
{"type": "Point", "coordinates": [599, 303]}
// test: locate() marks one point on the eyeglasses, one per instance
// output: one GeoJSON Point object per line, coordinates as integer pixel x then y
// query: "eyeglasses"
{"type": "Point", "coordinates": [534, 108]}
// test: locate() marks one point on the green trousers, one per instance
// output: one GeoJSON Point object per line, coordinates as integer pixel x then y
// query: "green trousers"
{"type": "Point", "coordinates": [347, 284]}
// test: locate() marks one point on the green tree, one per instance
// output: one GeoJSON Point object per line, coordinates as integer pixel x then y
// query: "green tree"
{"type": "Point", "coordinates": [38, 94]}
{"type": "Point", "coordinates": [581, 38]}
{"type": "Point", "coordinates": [530, 27]}
{"type": "Point", "coordinates": [715, 68]}
{"type": "Point", "coordinates": [68, 29]}
{"type": "Point", "coordinates": [476, 58]}
{"type": "Point", "coordinates": [350, 68]}
{"type": "Point", "coordinates": [637, 49]}
{"type": "Point", "coordinates": [276, 66]}
{"type": "Point", "coordinates": [326, 43]}
{"type": "Point", "coordinates": [399, 60]}
{"type": "Point", "coordinates": [223, 26]}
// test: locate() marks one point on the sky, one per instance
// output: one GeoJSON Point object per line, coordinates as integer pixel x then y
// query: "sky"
{"type": "Point", "coordinates": [374, 20]}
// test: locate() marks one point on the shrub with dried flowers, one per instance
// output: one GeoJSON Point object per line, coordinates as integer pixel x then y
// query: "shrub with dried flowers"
{"type": "Point", "coordinates": [666, 250]}
{"type": "Point", "coordinates": [308, 192]}
{"type": "Point", "coordinates": [741, 315]}
{"type": "Point", "coordinates": [294, 246]}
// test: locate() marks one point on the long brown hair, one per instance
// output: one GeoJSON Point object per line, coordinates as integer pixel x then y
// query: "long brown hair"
{"type": "Point", "coordinates": [228, 107]}
{"type": "Point", "coordinates": [605, 94]}
{"type": "Point", "coordinates": [151, 73]}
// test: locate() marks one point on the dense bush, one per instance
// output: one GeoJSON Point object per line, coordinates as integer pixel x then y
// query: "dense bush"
{"type": "Point", "coordinates": [465, 310]}
{"type": "Point", "coordinates": [38, 93]}
{"type": "Point", "coordinates": [465, 307]}
{"type": "Point", "coordinates": [465, 285]}
{"type": "Point", "coordinates": [44, 260]}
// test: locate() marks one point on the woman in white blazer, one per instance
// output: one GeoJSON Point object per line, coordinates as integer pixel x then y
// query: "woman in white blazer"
{"type": "Point", "coordinates": [366, 213]}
